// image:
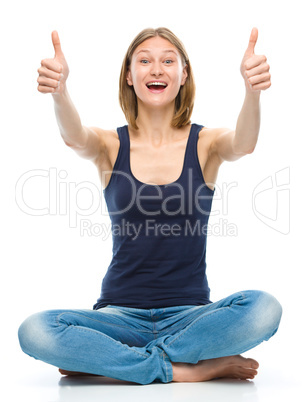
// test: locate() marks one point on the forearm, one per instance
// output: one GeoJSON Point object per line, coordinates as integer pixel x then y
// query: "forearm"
{"type": "Point", "coordinates": [248, 123]}
{"type": "Point", "coordinates": [68, 119]}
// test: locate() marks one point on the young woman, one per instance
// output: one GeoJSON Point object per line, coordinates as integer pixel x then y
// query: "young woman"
{"type": "Point", "coordinates": [154, 320]}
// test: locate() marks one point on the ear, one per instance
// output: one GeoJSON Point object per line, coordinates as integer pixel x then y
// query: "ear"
{"type": "Point", "coordinates": [128, 78]}
{"type": "Point", "coordinates": [184, 74]}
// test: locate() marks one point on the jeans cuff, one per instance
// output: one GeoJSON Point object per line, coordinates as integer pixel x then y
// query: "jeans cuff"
{"type": "Point", "coordinates": [168, 367]}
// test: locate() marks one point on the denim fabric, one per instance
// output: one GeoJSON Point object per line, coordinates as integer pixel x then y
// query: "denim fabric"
{"type": "Point", "coordinates": [138, 345]}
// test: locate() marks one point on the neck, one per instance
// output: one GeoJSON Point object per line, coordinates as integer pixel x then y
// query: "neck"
{"type": "Point", "coordinates": [155, 124]}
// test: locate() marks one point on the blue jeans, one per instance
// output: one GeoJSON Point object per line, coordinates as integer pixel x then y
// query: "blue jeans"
{"type": "Point", "coordinates": [139, 345]}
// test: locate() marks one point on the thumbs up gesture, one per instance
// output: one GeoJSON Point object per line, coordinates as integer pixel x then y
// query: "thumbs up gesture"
{"type": "Point", "coordinates": [53, 73]}
{"type": "Point", "coordinates": [254, 68]}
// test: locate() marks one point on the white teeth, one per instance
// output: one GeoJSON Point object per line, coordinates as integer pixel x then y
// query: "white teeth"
{"type": "Point", "coordinates": [157, 83]}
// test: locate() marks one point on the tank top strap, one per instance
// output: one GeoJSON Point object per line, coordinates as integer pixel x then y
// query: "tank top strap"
{"type": "Point", "coordinates": [191, 157]}
{"type": "Point", "coordinates": [121, 162]}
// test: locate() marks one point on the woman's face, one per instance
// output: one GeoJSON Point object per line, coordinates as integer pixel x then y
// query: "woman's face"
{"type": "Point", "coordinates": [156, 59]}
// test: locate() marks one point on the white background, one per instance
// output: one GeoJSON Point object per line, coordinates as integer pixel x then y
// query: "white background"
{"type": "Point", "coordinates": [46, 263]}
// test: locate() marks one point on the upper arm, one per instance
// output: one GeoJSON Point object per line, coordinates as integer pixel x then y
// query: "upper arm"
{"type": "Point", "coordinates": [95, 144]}
{"type": "Point", "coordinates": [222, 145]}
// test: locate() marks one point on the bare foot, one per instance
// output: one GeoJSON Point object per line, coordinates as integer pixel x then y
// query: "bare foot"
{"type": "Point", "coordinates": [65, 372]}
{"type": "Point", "coordinates": [230, 367]}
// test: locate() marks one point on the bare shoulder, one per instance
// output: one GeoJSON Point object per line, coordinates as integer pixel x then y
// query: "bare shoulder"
{"type": "Point", "coordinates": [211, 134]}
{"type": "Point", "coordinates": [110, 140]}
{"type": "Point", "coordinates": [105, 160]}
{"type": "Point", "coordinates": [97, 144]}
{"type": "Point", "coordinates": [107, 136]}
{"type": "Point", "coordinates": [206, 142]}
{"type": "Point", "coordinates": [209, 159]}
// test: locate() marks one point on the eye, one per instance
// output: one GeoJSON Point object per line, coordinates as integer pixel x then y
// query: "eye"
{"type": "Point", "coordinates": [144, 60]}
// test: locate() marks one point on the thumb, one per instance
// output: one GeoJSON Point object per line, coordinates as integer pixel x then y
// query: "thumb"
{"type": "Point", "coordinates": [252, 42]}
{"type": "Point", "coordinates": [56, 44]}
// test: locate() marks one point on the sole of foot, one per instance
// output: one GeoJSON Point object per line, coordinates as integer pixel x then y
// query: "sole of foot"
{"type": "Point", "coordinates": [237, 367]}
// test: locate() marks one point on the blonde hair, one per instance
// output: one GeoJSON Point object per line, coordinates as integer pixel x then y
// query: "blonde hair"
{"type": "Point", "coordinates": [184, 101]}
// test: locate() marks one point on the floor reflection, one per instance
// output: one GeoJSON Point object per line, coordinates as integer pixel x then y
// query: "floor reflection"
{"type": "Point", "coordinates": [93, 388]}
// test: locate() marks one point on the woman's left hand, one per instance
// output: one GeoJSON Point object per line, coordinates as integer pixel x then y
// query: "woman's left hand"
{"type": "Point", "coordinates": [254, 68]}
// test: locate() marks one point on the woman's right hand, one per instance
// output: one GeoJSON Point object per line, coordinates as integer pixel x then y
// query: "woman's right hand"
{"type": "Point", "coordinates": [53, 73]}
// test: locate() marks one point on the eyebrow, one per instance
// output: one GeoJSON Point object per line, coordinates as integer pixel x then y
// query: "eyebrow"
{"type": "Point", "coordinates": [164, 51]}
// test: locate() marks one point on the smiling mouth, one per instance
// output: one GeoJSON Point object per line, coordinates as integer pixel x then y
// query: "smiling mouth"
{"type": "Point", "coordinates": [156, 88]}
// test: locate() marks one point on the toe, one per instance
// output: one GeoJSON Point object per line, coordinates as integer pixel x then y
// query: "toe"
{"type": "Point", "coordinates": [253, 363]}
{"type": "Point", "coordinates": [246, 373]}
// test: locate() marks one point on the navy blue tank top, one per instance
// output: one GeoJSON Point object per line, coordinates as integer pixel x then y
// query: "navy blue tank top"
{"type": "Point", "coordinates": [158, 234]}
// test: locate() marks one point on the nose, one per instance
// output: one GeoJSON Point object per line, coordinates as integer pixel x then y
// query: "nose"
{"type": "Point", "coordinates": [156, 69]}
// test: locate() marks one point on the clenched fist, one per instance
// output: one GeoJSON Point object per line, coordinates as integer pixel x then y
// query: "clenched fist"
{"type": "Point", "coordinates": [254, 68]}
{"type": "Point", "coordinates": [53, 73]}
